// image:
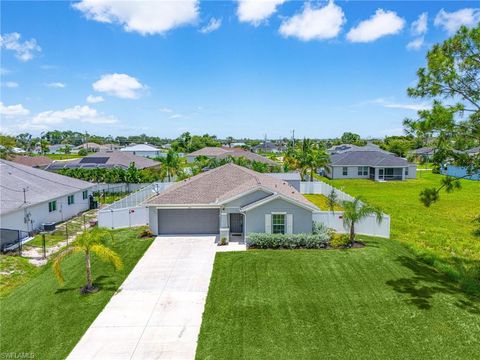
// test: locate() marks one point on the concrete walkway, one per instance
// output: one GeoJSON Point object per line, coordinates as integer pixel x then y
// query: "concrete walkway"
{"type": "Point", "coordinates": [158, 310]}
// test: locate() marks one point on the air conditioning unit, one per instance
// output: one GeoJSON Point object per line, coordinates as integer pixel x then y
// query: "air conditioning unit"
{"type": "Point", "coordinates": [48, 226]}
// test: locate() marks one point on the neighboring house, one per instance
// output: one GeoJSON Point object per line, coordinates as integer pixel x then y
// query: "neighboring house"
{"type": "Point", "coordinates": [89, 146]}
{"type": "Point", "coordinates": [58, 149]}
{"type": "Point", "coordinates": [292, 178]}
{"type": "Point", "coordinates": [473, 151]}
{"type": "Point", "coordinates": [107, 159]}
{"type": "Point", "coordinates": [31, 197]}
{"type": "Point", "coordinates": [39, 162]}
{"type": "Point", "coordinates": [340, 149]}
{"type": "Point", "coordinates": [17, 150]}
{"type": "Point", "coordinates": [374, 165]}
{"type": "Point", "coordinates": [424, 153]}
{"type": "Point", "coordinates": [268, 146]}
{"type": "Point", "coordinates": [231, 201]}
{"type": "Point", "coordinates": [144, 150]}
{"type": "Point", "coordinates": [222, 153]}
{"type": "Point", "coordinates": [462, 172]}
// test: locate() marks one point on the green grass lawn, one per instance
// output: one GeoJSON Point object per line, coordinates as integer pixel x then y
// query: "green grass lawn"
{"type": "Point", "coordinates": [378, 302]}
{"type": "Point", "coordinates": [15, 271]}
{"type": "Point", "coordinates": [442, 234]}
{"type": "Point", "coordinates": [48, 319]}
{"type": "Point", "coordinates": [63, 156]}
{"type": "Point", "coordinates": [321, 202]}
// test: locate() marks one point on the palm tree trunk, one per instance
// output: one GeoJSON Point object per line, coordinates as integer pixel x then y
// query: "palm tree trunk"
{"type": "Point", "coordinates": [352, 233]}
{"type": "Point", "coordinates": [88, 268]}
{"type": "Point", "coordinates": [311, 174]}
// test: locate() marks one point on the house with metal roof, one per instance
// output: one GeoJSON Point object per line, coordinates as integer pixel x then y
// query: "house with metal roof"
{"type": "Point", "coordinates": [144, 150]}
{"type": "Point", "coordinates": [222, 153]}
{"type": "Point", "coordinates": [106, 159]}
{"type": "Point", "coordinates": [374, 165]}
{"type": "Point", "coordinates": [30, 197]}
{"type": "Point", "coordinates": [232, 201]}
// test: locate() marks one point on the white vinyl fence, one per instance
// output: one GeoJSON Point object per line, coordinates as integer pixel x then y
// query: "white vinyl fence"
{"type": "Point", "coordinates": [368, 226]}
{"type": "Point", "coordinates": [129, 211]}
{"type": "Point", "coordinates": [119, 187]}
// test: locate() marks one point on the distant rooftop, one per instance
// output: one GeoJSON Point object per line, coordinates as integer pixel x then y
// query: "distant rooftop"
{"type": "Point", "coordinates": [367, 158]}
{"type": "Point", "coordinates": [140, 147]}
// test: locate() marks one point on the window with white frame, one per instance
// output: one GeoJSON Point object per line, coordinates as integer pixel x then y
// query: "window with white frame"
{"type": "Point", "coordinates": [344, 171]}
{"type": "Point", "coordinates": [406, 171]}
{"type": "Point", "coordinates": [278, 223]}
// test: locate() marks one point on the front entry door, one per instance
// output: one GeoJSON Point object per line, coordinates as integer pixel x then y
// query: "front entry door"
{"type": "Point", "coordinates": [236, 223]}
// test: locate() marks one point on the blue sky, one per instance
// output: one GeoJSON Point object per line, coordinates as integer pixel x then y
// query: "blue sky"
{"type": "Point", "coordinates": [225, 68]}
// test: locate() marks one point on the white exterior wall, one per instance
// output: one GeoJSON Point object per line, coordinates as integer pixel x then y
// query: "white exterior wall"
{"type": "Point", "coordinates": [337, 173]}
{"type": "Point", "coordinates": [412, 172]}
{"type": "Point", "coordinates": [151, 154]}
{"type": "Point", "coordinates": [39, 214]}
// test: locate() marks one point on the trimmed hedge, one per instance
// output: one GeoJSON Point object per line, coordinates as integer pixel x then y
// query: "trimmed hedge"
{"type": "Point", "coordinates": [288, 241]}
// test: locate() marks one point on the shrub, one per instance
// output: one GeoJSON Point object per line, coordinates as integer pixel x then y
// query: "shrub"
{"type": "Point", "coordinates": [340, 241]}
{"type": "Point", "coordinates": [83, 152]}
{"type": "Point", "coordinates": [320, 228]}
{"type": "Point", "coordinates": [146, 233]}
{"type": "Point", "coordinates": [288, 241]}
{"type": "Point", "coordinates": [223, 241]}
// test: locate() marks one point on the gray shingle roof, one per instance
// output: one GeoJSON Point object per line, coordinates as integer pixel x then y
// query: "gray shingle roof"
{"type": "Point", "coordinates": [222, 183]}
{"type": "Point", "coordinates": [222, 153]}
{"type": "Point", "coordinates": [109, 159]}
{"type": "Point", "coordinates": [41, 186]}
{"type": "Point", "coordinates": [286, 176]}
{"type": "Point", "coordinates": [367, 158]}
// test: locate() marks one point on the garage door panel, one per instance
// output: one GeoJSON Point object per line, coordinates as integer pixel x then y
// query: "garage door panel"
{"type": "Point", "coordinates": [188, 221]}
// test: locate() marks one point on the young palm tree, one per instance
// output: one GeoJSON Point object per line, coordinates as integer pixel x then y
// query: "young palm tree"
{"type": "Point", "coordinates": [355, 211]}
{"type": "Point", "coordinates": [318, 158]}
{"type": "Point", "coordinates": [171, 164]}
{"type": "Point", "coordinates": [91, 241]}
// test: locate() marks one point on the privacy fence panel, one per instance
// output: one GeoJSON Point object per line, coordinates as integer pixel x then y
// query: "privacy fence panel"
{"type": "Point", "coordinates": [130, 211]}
{"type": "Point", "coordinates": [368, 226]}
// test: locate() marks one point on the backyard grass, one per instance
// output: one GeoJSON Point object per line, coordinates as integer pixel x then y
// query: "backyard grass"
{"type": "Point", "coordinates": [15, 271]}
{"type": "Point", "coordinates": [321, 201]}
{"type": "Point", "coordinates": [47, 319]}
{"type": "Point", "coordinates": [441, 234]}
{"type": "Point", "coordinates": [378, 302]}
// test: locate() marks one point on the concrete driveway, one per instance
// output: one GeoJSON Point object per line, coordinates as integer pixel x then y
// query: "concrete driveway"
{"type": "Point", "coordinates": [158, 312]}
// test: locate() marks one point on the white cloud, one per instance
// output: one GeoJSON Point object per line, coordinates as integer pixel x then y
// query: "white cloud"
{"type": "Point", "coordinates": [315, 23]}
{"type": "Point", "coordinates": [144, 17]}
{"type": "Point", "coordinates": [256, 11]}
{"type": "Point", "coordinates": [394, 105]}
{"type": "Point", "coordinates": [120, 85]}
{"type": "Point", "coordinates": [10, 84]}
{"type": "Point", "coordinates": [176, 116]}
{"type": "Point", "coordinates": [83, 114]}
{"type": "Point", "coordinates": [213, 24]}
{"type": "Point", "coordinates": [24, 51]}
{"type": "Point", "coordinates": [452, 21]}
{"type": "Point", "coordinates": [420, 26]}
{"type": "Point", "coordinates": [166, 110]}
{"type": "Point", "coordinates": [13, 110]}
{"type": "Point", "coordinates": [416, 43]}
{"type": "Point", "coordinates": [56, 85]}
{"type": "Point", "coordinates": [380, 24]}
{"type": "Point", "coordinates": [92, 99]}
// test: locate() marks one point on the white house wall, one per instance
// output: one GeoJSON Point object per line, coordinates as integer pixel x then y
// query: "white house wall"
{"type": "Point", "coordinates": [39, 213]}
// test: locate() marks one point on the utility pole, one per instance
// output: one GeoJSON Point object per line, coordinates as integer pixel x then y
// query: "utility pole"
{"type": "Point", "coordinates": [265, 143]}
{"type": "Point", "coordinates": [25, 195]}
{"type": "Point", "coordinates": [293, 137]}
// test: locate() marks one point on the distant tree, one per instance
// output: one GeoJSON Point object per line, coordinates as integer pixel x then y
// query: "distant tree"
{"type": "Point", "coordinates": [355, 211]}
{"type": "Point", "coordinates": [171, 164]}
{"type": "Point", "coordinates": [452, 73]}
{"type": "Point", "coordinates": [7, 142]}
{"type": "Point", "coordinates": [89, 242]}
{"type": "Point", "coordinates": [82, 152]}
{"type": "Point", "coordinates": [229, 140]}
{"type": "Point", "coordinates": [350, 138]}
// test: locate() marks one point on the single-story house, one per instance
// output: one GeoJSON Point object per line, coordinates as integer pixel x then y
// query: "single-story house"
{"type": "Point", "coordinates": [107, 159]}
{"type": "Point", "coordinates": [269, 146]}
{"type": "Point", "coordinates": [342, 148]}
{"type": "Point", "coordinates": [222, 153]}
{"type": "Point", "coordinates": [459, 172]}
{"type": "Point", "coordinates": [89, 146]}
{"type": "Point", "coordinates": [292, 178]}
{"type": "Point", "coordinates": [40, 162]}
{"type": "Point", "coordinates": [426, 153]}
{"type": "Point", "coordinates": [374, 165]}
{"type": "Point", "coordinates": [144, 150]}
{"type": "Point", "coordinates": [231, 201]}
{"type": "Point", "coordinates": [31, 197]}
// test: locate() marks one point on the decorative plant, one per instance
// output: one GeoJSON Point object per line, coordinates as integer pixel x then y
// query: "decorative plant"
{"type": "Point", "coordinates": [355, 211]}
{"type": "Point", "coordinates": [91, 241]}
{"type": "Point", "coordinates": [223, 241]}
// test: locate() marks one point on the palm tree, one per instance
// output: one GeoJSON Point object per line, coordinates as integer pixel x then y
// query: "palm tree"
{"type": "Point", "coordinates": [91, 241]}
{"type": "Point", "coordinates": [171, 164]}
{"type": "Point", "coordinates": [318, 158]}
{"type": "Point", "coordinates": [355, 211]}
